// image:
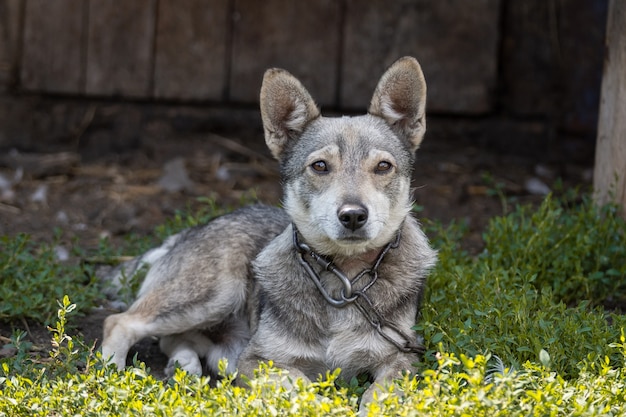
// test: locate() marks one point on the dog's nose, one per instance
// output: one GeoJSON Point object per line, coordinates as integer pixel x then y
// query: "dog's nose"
{"type": "Point", "coordinates": [352, 216]}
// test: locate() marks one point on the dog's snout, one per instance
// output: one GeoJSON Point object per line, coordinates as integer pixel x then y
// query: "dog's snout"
{"type": "Point", "coordinates": [352, 216]}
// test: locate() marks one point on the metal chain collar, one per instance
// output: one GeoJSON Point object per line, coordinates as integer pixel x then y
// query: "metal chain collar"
{"type": "Point", "coordinates": [351, 296]}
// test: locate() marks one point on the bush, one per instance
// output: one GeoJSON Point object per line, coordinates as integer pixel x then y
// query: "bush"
{"type": "Point", "coordinates": [511, 299]}
{"type": "Point", "coordinates": [508, 333]}
{"type": "Point", "coordinates": [579, 251]}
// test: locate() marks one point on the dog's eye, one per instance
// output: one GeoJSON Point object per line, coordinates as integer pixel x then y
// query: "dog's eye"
{"type": "Point", "coordinates": [383, 166]}
{"type": "Point", "coordinates": [319, 166]}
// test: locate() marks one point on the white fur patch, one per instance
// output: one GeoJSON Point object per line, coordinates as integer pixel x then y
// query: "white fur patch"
{"type": "Point", "coordinates": [119, 280]}
{"type": "Point", "coordinates": [154, 255]}
{"type": "Point", "coordinates": [390, 114]}
{"type": "Point", "coordinates": [298, 117]}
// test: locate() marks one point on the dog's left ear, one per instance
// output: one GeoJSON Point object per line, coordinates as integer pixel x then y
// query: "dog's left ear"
{"type": "Point", "coordinates": [400, 99]}
{"type": "Point", "coordinates": [286, 109]}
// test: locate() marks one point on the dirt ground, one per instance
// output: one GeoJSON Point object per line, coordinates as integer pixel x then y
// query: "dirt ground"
{"type": "Point", "coordinates": [91, 195]}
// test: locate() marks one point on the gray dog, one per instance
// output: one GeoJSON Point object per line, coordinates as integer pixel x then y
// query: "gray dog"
{"type": "Point", "coordinates": [333, 281]}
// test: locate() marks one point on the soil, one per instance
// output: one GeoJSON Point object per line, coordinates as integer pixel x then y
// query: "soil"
{"type": "Point", "coordinates": [91, 195]}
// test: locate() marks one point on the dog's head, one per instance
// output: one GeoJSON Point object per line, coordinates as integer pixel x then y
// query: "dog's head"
{"type": "Point", "coordinates": [346, 180]}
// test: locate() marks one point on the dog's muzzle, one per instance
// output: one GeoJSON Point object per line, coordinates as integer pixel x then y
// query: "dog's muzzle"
{"type": "Point", "coordinates": [352, 216]}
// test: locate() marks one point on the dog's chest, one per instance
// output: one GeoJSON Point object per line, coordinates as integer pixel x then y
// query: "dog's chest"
{"type": "Point", "coordinates": [299, 326]}
{"type": "Point", "coordinates": [350, 339]}
{"type": "Point", "coordinates": [351, 342]}
{"type": "Point", "coordinates": [332, 338]}
{"type": "Point", "coordinates": [305, 309]}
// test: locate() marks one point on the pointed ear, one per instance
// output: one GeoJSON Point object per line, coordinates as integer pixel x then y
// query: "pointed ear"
{"type": "Point", "coordinates": [286, 109]}
{"type": "Point", "coordinates": [400, 99]}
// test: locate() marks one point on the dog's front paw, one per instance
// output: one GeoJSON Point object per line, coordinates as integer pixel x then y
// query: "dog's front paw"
{"type": "Point", "coordinates": [366, 399]}
{"type": "Point", "coordinates": [187, 361]}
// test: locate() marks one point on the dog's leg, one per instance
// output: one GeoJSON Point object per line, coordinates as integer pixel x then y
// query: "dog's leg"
{"type": "Point", "coordinates": [249, 362]}
{"type": "Point", "coordinates": [384, 375]}
{"type": "Point", "coordinates": [231, 340]}
{"type": "Point", "coordinates": [185, 349]}
{"type": "Point", "coordinates": [121, 331]}
{"type": "Point", "coordinates": [224, 343]}
{"type": "Point", "coordinates": [146, 317]}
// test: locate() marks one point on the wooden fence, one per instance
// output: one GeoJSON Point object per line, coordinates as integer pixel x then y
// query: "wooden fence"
{"type": "Point", "coordinates": [534, 58]}
{"type": "Point", "coordinates": [478, 57]}
{"type": "Point", "coordinates": [533, 64]}
{"type": "Point", "coordinates": [216, 50]}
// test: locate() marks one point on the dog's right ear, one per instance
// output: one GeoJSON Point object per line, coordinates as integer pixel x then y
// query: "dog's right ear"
{"type": "Point", "coordinates": [286, 108]}
{"type": "Point", "coordinates": [400, 99]}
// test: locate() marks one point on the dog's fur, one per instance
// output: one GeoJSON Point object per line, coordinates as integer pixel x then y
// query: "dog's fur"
{"type": "Point", "coordinates": [235, 287]}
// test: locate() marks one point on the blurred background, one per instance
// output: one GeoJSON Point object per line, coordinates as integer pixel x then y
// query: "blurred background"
{"type": "Point", "coordinates": [114, 115]}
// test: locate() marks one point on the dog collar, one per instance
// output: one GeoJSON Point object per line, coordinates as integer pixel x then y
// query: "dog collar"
{"type": "Point", "coordinates": [350, 296]}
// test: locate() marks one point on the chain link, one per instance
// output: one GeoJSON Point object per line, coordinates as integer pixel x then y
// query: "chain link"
{"type": "Point", "coordinates": [350, 296]}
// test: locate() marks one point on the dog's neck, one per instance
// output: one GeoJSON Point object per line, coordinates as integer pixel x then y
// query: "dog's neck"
{"type": "Point", "coordinates": [349, 265]}
{"type": "Point", "coordinates": [353, 264]}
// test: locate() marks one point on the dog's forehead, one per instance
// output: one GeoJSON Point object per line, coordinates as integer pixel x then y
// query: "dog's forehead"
{"type": "Point", "coordinates": [357, 132]}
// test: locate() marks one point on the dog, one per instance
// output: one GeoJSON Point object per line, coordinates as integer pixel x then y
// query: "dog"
{"type": "Point", "coordinates": [332, 281]}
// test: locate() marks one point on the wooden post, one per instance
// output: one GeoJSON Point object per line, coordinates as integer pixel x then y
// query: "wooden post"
{"type": "Point", "coordinates": [610, 165]}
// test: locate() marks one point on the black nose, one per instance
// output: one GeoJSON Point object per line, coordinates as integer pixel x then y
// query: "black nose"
{"type": "Point", "coordinates": [352, 216]}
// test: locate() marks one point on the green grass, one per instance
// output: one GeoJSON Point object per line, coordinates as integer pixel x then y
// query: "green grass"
{"type": "Point", "coordinates": [522, 329]}
{"type": "Point", "coordinates": [32, 280]}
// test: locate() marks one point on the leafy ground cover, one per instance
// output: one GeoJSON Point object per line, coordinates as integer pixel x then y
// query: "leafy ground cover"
{"type": "Point", "coordinates": [527, 327]}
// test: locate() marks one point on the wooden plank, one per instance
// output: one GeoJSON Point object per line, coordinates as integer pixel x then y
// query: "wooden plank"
{"type": "Point", "coordinates": [120, 48]}
{"type": "Point", "coordinates": [299, 36]}
{"type": "Point", "coordinates": [610, 165]}
{"type": "Point", "coordinates": [10, 22]}
{"type": "Point", "coordinates": [190, 61]}
{"type": "Point", "coordinates": [528, 57]}
{"type": "Point", "coordinates": [455, 43]}
{"type": "Point", "coordinates": [543, 47]}
{"type": "Point", "coordinates": [52, 54]}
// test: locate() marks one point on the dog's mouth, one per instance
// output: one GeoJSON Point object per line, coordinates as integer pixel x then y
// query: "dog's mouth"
{"type": "Point", "coordinates": [352, 239]}
{"type": "Point", "coordinates": [349, 237]}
